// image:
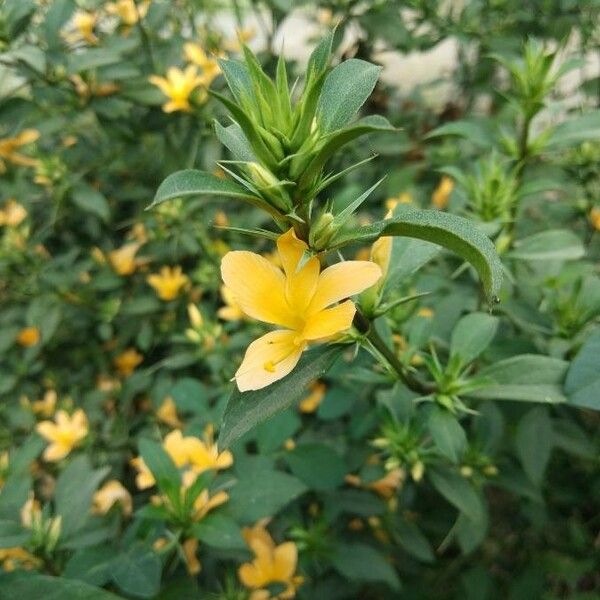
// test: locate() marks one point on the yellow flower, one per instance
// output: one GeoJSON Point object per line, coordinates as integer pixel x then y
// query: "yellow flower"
{"type": "Point", "coordinates": [272, 564]}
{"type": "Point", "coordinates": [123, 260]}
{"type": "Point", "coordinates": [12, 214]}
{"type": "Point", "coordinates": [8, 149]}
{"type": "Point", "coordinates": [402, 198]}
{"type": "Point", "coordinates": [167, 413]}
{"type": "Point", "coordinates": [65, 433]}
{"type": "Point", "coordinates": [204, 454]}
{"type": "Point", "coordinates": [210, 66]}
{"type": "Point", "coordinates": [83, 25]}
{"type": "Point", "coordinates": [387, 486]}
{"type": "Point", "coordinates": [244, 35]}
{"type": "Point", "coordinates": [441, 194]}
{"type": "Point", "coordinates": [190, 548]}
{"type": "Point", "coordinates": [204, 503]}
{"type": "Point", "coordinates": [12, 558]}
{"type": "Point", "coordinates": [296, 299]}
{"type": "Point", "coordinates": [176, 447]}
{"type": "Point", "coordinates": [46, 406]}
{"type": "Point", "coordinates": [426, 313]}
{"type": "Point", "coordinates": [231, 311]}
{"type": "Point", "coordinates": [595, 218]}
{"type": "Point", "coordinates": [108, 495]}
{"type": "Point", "coordinates": [168, 283]}
{"type": "Point", "coordinates": [28, 336]}
{"type": "Point", "coordinates": [312, 401]}
{"type": "Point", "coordinates": [178, 85]}
{"type": "Point", "coordinates": [127, 361]}
{"type": "Point", "coordinates": [144, 478]}
{"type": "Point", "coordinates": [128, 12]}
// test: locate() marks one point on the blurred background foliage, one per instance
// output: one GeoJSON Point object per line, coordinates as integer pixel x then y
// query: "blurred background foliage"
{"type": "Point", "coordinates": [118, 343]}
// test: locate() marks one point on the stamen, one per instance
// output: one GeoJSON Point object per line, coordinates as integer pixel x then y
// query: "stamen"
{"type": "Point", "coordinates": [269, 366]}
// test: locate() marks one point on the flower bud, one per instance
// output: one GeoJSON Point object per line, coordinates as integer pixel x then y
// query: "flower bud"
{"type": "Point", "coordinates": [322, 231]}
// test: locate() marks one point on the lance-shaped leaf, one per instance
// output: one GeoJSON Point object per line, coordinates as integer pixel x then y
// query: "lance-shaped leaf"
{"type": "Point", "coordinates": [449, 231]}
{"type": "Point", "coordinates": [233, 138]}
{"type": "Point", "coordinates": [335, 141]}
{"type": "Point", "coordinates": [345, 90]}
{"type": "Point", "coordinates": [245, 410]}
{"type": "Point", "coordinates": [192, 182]}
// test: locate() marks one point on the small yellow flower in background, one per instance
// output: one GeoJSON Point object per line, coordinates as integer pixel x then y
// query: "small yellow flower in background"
{"type": "Point", "coordinates": [82, 28]}
{"type": "Point", "coordinates": [272, 564]}
{"type": "Point", "coordinates": [123, 260]}
{"type": "Point", "coordinates": [46, 406]}
{"type": "Point", "coordinates": [127, 361]}
{"type": "Point", "coordinates": [314, 398]}
{"type": "Point", "coordinates": [108, 495]}
{"type": "Point", "coordinates": [299, 299]}
{"type": "Point", "coordinates": [12, 214]}
{"type": "Point", "coordinates": [195, 316]}
{"type": "Point", "coordinates": [231, 311]}
{"type": "Point", "coordinates": [167, 413]}
{"type": "Point", "coordinates": [88, 89]}
{"type": "Point", "coordinates": [13, 558]}
{"type": "Point", "coordinates": [178, 86]}
{"type": "Point", "coordinates": [221, 219]}
{"type": "Point", "coordinates": [31, 512]}
{"type": "Point", "coordinates": [138, 233]}
{"type": "Point", "coordinates": [210, 66]}
{"type": "Point", "coordinates": [28, 336]}
{"type": "Point", "coordinates": [595, 218]}
{"type": "Point", "coordinates": [204, 454]}
{"type": "Point", "coordinates": [385, 487]}
{"type": "Point", "coordinates": [426, 313]}
{"type": "Point", "coordinates": [188, 452]}
{"type": "Point", "coordinates": [243, 36]}
{"type": "Point", "coordinates": [204, 503]}
{"type": "Point", "coordinates": [9, 146]}
{"type": "Point", "coordinates": [65, 433]}
{"type": "Point", "coordinates": [144, 478]}
{"type": "Point", "coordinates": [441, 194]}
{"type": "Point", "coordinates": [128, 11]}
{"type": "Point", "coordinates": [168, 283]}
{"type": "Point", "coordinates": [190, 548]}
{"type": "Point", "coordinates": [402, 198]}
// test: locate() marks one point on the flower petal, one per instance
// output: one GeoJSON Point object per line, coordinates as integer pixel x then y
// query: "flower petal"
{"type": "Point", "coordinates": [342, 280]}
{"type": "Point", "coordinates": [55, 452]}
{"type": "Point", "coordinates": [258, 287]}
{"type": "Point", "coordinates": [301, 283]}
{"type": "Point", "coordinates": [329, 321]}
{"type": "Point", "coordinates": [285, 557]}
{"type": "Point", "coordinates": [268, 359]}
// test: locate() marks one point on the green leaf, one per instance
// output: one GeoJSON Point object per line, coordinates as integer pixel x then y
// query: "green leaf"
{"type": "Point", "coordinates": [219, 531]}
{"type": "Point", "coordinates": [261, 491]}
{"type": "Point", "coordinates": [245, 410]}
{"type": "Point", "coordinates": [582, 385]}
{"type": "Point", "coordinates": [191, 182]}
{"type": "Point", "coordinates": [319, 58]}
{"type": "Point", "coordinates": [137, 572]}
{"type": "Point", "coordinates": [59, 13]}
{"type": "Point", "coordinates": [92, 201]}
{"type": "Point", "coordinates": [75, 489]}
{"type": "Point", "coordinates": [545, 393]}
{"type": "Point", "coordinates": [233, 138]}
{"type": "Point", "coordinates": [345, 90]}
{"type": "Point", "coordinates": [454, 233]}
{"type": "Point", "coordinates": [14, 494]}
{"type": "Point", "coordinates": [458, 491]}
{"type": "Point", "coordinates": [359, 562]}
{"type": "Point", "coordinates": [161, 466]}
{"type": "Point", "coordinates": [477, 132]}
{"type": "Point", "coordinates": [92, 565]}
{"type": "Point", "coordinates": [534, 441]}
{"type": "Point", "coordinates": [13, 534]}
{"type": "Point", "coordinates": [527, 369]}
{"type": "Point", "coordinates": [318, 465]}
{"type": "Point", "coordinates": [410, 537]}
{"type": "Point", "coordinates": [472, 335]}
{"type": "Point", "coordinates": [575, 131]}
{"type": "Point", "coordinates": [335, 141]}
{"type": "Point", "coordinates": [408, 256]}
{"type": "Point", "coordinates": [447, 433]}
{"type": "Point", "coordinates": [33, 586]}
{"type": "Point", "coordinates": [556, 244]}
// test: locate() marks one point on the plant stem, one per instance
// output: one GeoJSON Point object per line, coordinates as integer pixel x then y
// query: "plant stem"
{"type": "Point", "coordinates": [365, 327]}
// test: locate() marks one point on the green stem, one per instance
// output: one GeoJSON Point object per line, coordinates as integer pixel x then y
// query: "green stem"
{"type": "Point", "coordinates": [366, 327]}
